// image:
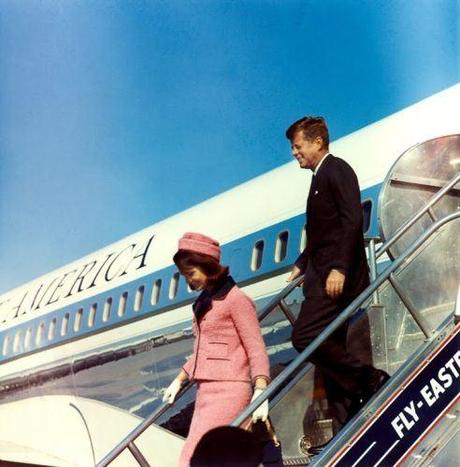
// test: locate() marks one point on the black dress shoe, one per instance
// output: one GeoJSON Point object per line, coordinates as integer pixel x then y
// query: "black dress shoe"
{"type": "Point", "coordinates": [355, 405]}
{"type": "Point", "coordinates": [376, 380]}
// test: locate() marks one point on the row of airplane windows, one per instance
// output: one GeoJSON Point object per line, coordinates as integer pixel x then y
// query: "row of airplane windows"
{"type": "Point", "coordinates": [24, 342]}
{"type": "Point", "coordinates": [279, 254]}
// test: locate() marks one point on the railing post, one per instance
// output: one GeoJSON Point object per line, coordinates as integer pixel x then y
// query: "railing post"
{"type": "Point", "coordinates": [138, 455]}
{"type": "Point", "coordinates": [373, 266]}
{"type": "Point", "coordinates": [287, 312]}
{"type": "Point", "coordinates": [457, 307]}
{"type": "Point", "coordinates": [418, 317]}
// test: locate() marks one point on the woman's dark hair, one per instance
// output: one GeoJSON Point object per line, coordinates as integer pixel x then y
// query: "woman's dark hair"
{"type": "Point", "coordinates": [227, 446]}
{"type": "Point", "coordinates": [215, 272]}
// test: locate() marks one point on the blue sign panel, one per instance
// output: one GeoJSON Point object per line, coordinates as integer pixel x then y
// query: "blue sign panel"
{"type": "Point", "coordinates": [395, 431]}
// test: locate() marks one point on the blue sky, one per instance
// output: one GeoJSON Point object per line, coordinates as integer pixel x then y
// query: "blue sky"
{"type": "Point", "coordinates": [117, 114]}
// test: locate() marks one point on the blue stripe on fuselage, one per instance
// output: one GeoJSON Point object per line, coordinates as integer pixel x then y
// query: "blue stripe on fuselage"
{"type": "Point", "coordinates": [238, 254]}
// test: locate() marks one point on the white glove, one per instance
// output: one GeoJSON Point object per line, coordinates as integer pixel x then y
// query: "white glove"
{"type": "Point", "coordinates": [171, 391]}
{"type": "Point", "coordinates": [261, 413]}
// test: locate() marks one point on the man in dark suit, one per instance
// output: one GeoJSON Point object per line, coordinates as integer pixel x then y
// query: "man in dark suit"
{"type": "Point", "coordinates": [333, 263]}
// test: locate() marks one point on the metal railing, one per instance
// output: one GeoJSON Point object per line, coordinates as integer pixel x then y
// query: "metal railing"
{"type": "Point", "coordinates": [278, 300]}
{"type": "Point", "coordinates": [374, 254]}
{"type": "Point", "coordinates": [128, 441]}
{"type": "Point", "coordinates": [346, 314]}
{"type": "Point", "coordinates": [411, 221]}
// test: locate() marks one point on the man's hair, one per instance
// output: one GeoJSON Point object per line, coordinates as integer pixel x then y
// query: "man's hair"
{"type": "Point", "coordinates": [214, 271]}
{"type": "Point", "coordinates": [311, 127]}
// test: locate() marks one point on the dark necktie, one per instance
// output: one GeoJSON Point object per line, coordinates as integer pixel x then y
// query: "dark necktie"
{"type": "Point", "coordinates": [312, 189]}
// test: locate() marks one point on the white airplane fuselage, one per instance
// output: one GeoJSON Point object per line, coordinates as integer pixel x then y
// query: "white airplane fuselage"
{"type": "Point", "coordinates": [131, 288]}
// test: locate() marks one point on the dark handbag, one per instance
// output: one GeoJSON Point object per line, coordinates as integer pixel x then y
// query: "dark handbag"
{"type": "Point", "coordinates": [266, 436]}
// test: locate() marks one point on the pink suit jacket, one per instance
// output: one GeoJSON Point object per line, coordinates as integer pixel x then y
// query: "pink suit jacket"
{"type": "Point", "coordinates": [228, 343]}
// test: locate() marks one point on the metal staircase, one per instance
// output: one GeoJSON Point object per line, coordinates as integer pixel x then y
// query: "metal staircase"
{"type": "Point", "coordinates": [404, 323]}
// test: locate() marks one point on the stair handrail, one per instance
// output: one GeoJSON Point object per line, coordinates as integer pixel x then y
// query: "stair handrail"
{"type": "Point", "coordinates": [342, 317]}
{"type": "Point", "coordinates": [139, 429]}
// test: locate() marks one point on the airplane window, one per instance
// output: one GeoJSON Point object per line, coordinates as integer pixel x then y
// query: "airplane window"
{"type": "Point", "coordinates": [27, 338]}
{"type": "Point", "coordinates": [367, 212]}
{"type": "Point", "coordinates": [281, 246]}
{"type": "Point", "coordinates": [77, 322]}
{"type": "Point", "coordinates": [17, 340]}
{"type": "Point", "coordinates": [303, 239]}
{"type": "Point", "coordinates": [65, 324]}
{"type": "Point", "coordinates": [138, 299]}
{"type": "Point", "coordinates": [52, 329]}
{"type": "Point", "coordinates": [257, 255]}
{"type": "Point", "coordinates": [174, 285]}
{"type": "Point", "coordinates": [6, 343]}
{"type": "Point", "coordinates": [39, 336]}
{"type": "Point", "coordinates": [122, 304]}
{"type": "Point", "coordinates": [92, 314]}
{"type": "Point", "coordinates": [156, 292]}
{"type": "Point", "coordinates": [107, 309]}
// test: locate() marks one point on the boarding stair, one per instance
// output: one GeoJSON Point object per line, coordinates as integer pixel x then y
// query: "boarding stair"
{"type": "Point", "coordinates": [404, 323]}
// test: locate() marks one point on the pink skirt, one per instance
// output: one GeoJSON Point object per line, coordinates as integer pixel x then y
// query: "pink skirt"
{"type": "Point", "coordinates": [217, 403]}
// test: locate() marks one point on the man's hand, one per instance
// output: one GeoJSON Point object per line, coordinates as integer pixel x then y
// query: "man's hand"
{"type": "Point", "coordinates": [334, 283]}
{"type": "Point", "coordinates": [295, 273]}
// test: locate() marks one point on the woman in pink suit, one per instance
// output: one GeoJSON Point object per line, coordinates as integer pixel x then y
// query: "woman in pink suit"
{"type": "Point", "coordinates": [229, 361]}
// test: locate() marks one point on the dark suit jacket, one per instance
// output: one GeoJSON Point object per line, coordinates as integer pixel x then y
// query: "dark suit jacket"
{"type": "Point", "coordinates": [334, 230]}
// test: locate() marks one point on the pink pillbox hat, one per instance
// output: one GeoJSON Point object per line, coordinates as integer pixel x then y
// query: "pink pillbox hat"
{"type": "Point", "coordinates": [199, 243]}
